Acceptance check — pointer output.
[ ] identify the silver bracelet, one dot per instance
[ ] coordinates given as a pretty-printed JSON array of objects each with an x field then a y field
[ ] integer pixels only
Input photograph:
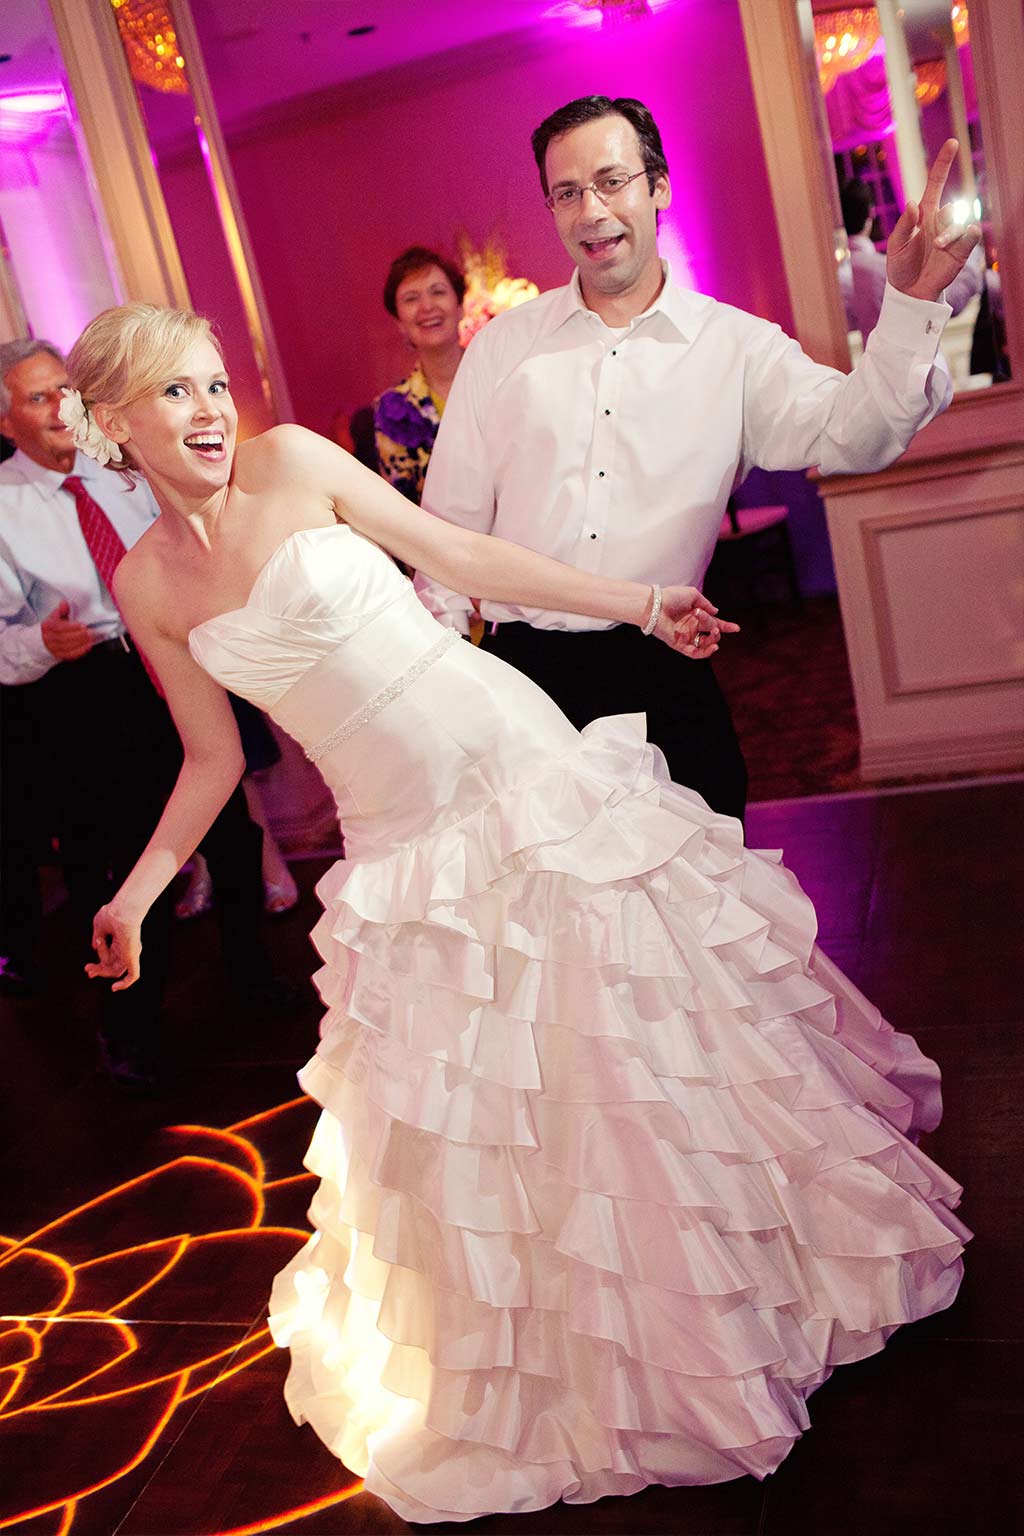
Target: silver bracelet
[{"x": 652, "y": 622}]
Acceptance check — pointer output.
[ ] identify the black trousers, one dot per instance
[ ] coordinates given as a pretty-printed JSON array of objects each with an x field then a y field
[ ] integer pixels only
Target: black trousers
[
  {"x": 26, "y": 828},
  {"x": 102, "y": 754},
  {"x": 620, "y": 671}
]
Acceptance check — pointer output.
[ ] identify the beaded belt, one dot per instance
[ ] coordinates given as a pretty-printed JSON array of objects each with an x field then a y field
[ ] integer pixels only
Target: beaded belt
[{"x": 380, "y": 700}]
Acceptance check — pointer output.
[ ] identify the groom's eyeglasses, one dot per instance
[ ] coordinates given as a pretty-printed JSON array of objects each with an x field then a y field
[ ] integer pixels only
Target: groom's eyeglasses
[{"x": 605, "y": 188}]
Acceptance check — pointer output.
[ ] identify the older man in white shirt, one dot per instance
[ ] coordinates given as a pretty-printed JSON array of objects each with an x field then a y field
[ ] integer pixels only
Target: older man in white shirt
[
  {"x": 607, "y": 422},
  {"x": 88, "y": 748}
]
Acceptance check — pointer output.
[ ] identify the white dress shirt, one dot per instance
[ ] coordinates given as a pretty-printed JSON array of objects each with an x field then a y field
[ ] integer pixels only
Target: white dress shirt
[
  {"x": 44, "y": 557},
  {"x": 617, "y": 453}
]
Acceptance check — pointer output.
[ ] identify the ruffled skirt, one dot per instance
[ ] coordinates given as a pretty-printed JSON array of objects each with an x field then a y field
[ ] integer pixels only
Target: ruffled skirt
[{"x": 615, "y": 1166}]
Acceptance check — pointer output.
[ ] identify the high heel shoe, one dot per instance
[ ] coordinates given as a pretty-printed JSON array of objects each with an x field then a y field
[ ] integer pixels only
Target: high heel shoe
[{"x": 198, "y": 895}]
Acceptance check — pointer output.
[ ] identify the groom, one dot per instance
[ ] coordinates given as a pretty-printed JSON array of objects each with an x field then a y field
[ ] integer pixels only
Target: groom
[{"x": 606, "y": 423}]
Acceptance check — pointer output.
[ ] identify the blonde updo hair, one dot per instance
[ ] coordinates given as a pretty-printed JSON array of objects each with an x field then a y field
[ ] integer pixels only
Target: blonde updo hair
[{"x": 129, "y": 351}]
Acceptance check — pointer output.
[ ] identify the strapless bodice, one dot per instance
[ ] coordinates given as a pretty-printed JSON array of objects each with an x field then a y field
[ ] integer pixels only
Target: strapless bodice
[
  {"x": 317, "y": 590},
  {"x": 409, "y": 724}
]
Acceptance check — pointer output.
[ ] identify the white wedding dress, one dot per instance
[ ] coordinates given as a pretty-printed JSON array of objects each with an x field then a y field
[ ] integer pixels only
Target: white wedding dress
[{"x": 615, "y": 1166}]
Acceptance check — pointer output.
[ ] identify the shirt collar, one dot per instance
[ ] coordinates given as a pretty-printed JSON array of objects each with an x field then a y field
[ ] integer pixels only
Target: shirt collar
[
  {"x": 52, "y": 479},
  {"x": 676, "y": 304}
]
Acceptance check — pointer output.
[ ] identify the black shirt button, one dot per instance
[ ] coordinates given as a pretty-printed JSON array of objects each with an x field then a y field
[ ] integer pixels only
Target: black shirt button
[
  {"x": 600, "y": 474},
  {"x": 593, "y": 535}
]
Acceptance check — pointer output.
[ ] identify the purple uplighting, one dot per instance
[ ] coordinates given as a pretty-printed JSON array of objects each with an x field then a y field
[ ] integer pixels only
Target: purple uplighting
[
  {"x": 602, "y": 13},
  {"x": 33, "y": 103}
]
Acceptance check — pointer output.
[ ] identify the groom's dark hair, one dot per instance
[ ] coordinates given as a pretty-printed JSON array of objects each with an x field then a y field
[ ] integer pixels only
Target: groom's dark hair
[{"x": 587, "y": 109}]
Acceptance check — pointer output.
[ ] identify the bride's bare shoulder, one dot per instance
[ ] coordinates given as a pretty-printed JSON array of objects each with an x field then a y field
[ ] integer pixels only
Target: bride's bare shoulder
[
  {"x": 287, "y": 448},
  {"x": 147, "y": 551},
  {"x": 142, "y": 572},
  {"x": 279, "y": 443}
]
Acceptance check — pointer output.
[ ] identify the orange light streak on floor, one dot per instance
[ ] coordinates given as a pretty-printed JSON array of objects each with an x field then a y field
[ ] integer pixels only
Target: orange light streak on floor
[
  {"x": 189, "y": 1160},
  {"x": 140, "y": 1456},
  {"x": 186, "y": 1382},
  {"x": 296, "y": 1514}
]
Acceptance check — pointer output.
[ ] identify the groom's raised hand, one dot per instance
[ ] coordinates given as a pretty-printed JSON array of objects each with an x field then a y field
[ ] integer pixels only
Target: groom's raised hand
[{"x": 928, "y": 247}]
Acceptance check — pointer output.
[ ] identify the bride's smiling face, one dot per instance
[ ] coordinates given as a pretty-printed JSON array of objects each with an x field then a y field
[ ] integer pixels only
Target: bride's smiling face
[{"x": 184, "y": 430}]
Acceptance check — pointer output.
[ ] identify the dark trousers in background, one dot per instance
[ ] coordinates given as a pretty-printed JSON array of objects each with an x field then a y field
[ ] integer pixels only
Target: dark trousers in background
[
  {"x": 621, "y": 671},
  {"x": 105, "y": 755},
  {"x": 26, "y": 829}
]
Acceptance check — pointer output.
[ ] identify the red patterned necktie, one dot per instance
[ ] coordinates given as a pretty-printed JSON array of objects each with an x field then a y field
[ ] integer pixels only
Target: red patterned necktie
[
  {"x": 102, "y": 539},
  {"x": 104, "y": 544}
]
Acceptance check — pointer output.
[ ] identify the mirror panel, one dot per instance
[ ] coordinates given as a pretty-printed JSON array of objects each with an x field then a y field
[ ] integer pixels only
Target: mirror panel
[{"x": 879, "y": 138}]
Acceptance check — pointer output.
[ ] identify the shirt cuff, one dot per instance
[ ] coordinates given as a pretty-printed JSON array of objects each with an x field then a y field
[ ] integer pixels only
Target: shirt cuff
[
  {"x": 913, "y": 325},
  {"x": 25, "y": 657},
  {"x": 36, "y": 649}
]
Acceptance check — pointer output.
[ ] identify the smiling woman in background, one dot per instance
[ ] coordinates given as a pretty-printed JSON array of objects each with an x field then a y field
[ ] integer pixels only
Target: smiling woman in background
[{"x": 424, "y": 292}]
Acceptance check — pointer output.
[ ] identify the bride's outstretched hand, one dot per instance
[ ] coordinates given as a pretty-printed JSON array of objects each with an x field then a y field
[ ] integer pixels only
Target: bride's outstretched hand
[
  {"x": 118, "y": 943},
  {"x": 690, "y": 624}
]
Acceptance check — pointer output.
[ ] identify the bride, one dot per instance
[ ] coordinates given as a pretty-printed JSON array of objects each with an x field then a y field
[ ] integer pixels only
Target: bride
[{"x": 615, "y": 1166}]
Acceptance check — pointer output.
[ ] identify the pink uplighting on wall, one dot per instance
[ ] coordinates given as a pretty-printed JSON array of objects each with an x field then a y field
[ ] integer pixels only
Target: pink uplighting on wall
[
  {"x": 27, "y": 118},
  {"x": 673, "y": 247},
  {"x": 32, "y": 103},
  {"x": 602, "y": 13},
  {"x": 50, "y": 225}
]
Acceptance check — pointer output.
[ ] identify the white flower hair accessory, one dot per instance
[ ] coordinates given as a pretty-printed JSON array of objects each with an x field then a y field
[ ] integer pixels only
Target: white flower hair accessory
[{"x": 86, "y": 435}]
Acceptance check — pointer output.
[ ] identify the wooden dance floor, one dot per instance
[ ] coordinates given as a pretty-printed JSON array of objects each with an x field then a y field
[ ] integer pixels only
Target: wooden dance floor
[{"x": 139, "y": 1391}]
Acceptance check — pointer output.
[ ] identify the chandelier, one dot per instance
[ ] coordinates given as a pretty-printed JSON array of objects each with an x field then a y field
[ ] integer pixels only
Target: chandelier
[
  {"x": 617, "y": 10},
  {"x": 843, "y": 40},
  {"x": 961, "y": 27},
  {"x": 151, "y": 45},
  {"x": 929, "y": 81},
  {"x": 601, "y": 12}
]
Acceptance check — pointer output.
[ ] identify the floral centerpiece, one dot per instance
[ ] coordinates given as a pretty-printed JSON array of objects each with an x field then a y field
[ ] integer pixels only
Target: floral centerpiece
[{"x": 489, "y": 289}]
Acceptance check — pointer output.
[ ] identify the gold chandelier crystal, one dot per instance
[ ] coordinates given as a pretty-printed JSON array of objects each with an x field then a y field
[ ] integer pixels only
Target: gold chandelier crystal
[
  {"x": 151, "y": 45},
  {"x": 929, "y": 81},
  {"x": 961, "y": 25},
  {"x": 616, "y": 10},
  {"x": 843, "y": 40}
]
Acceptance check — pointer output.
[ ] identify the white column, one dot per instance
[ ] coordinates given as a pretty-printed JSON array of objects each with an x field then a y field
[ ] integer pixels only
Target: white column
[
  {"x": 141, "y": 238},
  {"x": 958, "y": 114},
  {"x": 900, "y": 77}
]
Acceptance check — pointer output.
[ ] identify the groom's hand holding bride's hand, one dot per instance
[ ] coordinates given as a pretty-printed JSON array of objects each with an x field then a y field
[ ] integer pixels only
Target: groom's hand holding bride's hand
[
  {"x": 118, "y": 943},
  {"x": 690, "y": 624}
]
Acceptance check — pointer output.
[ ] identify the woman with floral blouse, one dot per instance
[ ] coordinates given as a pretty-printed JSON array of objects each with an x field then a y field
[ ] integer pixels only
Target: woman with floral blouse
[{"x": 424, "y": 292}]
